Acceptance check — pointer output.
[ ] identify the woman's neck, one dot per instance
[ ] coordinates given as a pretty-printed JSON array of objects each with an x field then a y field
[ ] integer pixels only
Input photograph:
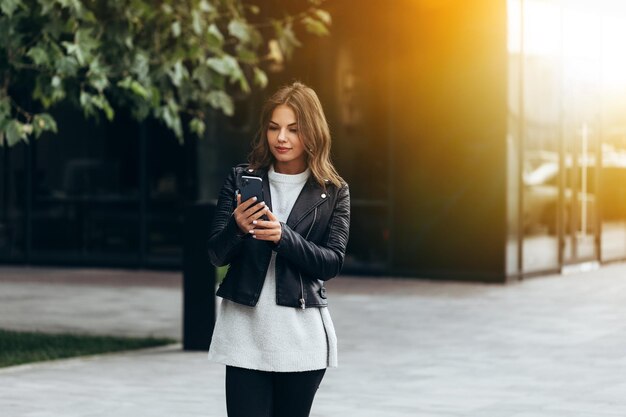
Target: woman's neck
[{"x": 290, "y": 169}]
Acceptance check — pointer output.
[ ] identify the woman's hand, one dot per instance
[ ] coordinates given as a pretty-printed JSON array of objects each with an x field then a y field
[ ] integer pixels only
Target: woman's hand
[
  {"x": 269, "y": 230},
  {"x": 247, "y": 213}
]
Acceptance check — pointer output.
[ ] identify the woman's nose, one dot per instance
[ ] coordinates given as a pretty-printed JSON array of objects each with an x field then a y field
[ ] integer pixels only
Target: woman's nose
[{"x": 281, "y": 135}]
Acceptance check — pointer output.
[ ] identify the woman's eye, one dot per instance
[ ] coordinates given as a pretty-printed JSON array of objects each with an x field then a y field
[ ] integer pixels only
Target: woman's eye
[
  {"x": 293, "y": 130},
  {"x": 273, "y": 128}
]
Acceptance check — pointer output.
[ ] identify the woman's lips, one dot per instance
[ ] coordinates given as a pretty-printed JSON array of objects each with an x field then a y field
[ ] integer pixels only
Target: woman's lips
[{"x": 282, "y": 150}]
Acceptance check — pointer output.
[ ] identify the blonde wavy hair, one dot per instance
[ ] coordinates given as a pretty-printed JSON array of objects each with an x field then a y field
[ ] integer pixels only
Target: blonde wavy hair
[{"x": 312, "y": 129}]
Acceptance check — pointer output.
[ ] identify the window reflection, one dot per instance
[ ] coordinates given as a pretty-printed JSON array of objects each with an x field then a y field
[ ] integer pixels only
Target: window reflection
[
  {"x": 85, "y": 202},
  {"x": 12, "y": 202},
  {"x": 613, "y": 195},
  {"x": 541, "y": 124},
  {"x": 168, "y": 164}
]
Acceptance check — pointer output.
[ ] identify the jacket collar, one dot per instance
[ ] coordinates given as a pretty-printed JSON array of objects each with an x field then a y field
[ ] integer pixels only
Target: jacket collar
[{"x": 311, "y": 196}]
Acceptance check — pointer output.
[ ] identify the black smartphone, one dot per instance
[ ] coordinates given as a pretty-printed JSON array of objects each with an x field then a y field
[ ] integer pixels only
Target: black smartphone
[{"x": 251, "y": 187}]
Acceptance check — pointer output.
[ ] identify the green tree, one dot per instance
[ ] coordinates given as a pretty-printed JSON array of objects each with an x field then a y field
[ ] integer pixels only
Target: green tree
[{"x": 171, "y": 60}]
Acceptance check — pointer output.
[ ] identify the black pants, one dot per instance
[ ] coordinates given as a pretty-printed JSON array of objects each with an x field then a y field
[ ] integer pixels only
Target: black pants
[{"x": 251, "y": 393}]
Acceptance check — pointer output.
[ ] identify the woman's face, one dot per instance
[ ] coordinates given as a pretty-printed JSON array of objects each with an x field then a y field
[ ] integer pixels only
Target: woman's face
[{"x": 284, "y": 141}]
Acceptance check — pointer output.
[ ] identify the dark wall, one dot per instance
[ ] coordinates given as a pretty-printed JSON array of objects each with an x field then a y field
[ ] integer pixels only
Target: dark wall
[
  {"x": 415, "y": 94},
  {"x": 448, "y": 136}
]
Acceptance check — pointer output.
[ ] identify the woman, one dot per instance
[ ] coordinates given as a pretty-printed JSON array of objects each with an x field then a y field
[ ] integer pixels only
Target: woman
[{"x": 274, "y": 332}]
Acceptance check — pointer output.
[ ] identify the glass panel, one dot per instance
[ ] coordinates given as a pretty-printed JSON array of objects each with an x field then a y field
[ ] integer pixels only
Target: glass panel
[
  {"x": 581, "y": 127},
  {"x": 612, "y": 193},
  {"x": 514, "y": 10},
  {"x": 12, "y": 202},
  {"x": 354, "y": 147},
  {"x": 541, "y": 130},
  {"x": 168, "y": 164},
  {"x": 612, "y": 184},
  {"x": 355, "y": 90},
  {"x": 85, "y": 204}
]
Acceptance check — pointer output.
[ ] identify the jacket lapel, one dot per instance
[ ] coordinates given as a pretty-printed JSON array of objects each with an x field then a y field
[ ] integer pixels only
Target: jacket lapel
[
  {"x": 266, "y": 190},
  {"x": 310, "y": 197}
]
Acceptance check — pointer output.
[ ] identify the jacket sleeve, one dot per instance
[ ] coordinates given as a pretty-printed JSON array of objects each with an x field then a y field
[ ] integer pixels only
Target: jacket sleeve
[
  {"x": 225, "y": 238},
  {"x": 320, "y": 261}
]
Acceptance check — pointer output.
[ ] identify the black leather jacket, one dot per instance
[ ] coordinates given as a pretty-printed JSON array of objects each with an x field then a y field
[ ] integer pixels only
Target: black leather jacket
[{"x": 311, "y": 249}]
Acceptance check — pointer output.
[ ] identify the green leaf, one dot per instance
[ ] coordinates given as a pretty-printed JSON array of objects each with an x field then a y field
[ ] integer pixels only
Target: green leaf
[
  {"x": 244, "y": 85},
  {"x": 196, "y": 22},
  {"x": 176, "y": 30},
  {"x": 172, "y": 120},
  {"x": 215, "y": 37},
  {"x": 14, "y": 132},
  {"x": 38, "y": 55},
  {"x": 97, "y": 76},
  {"x": 155, "y": 94},
  {"x": 239, "y": 30},
  {"x": 141, "y": 66},
  {"x": 44, "y": 122},
  {"x": 225, "y": 65},
  {"x": 88, "y": 16},
  {"x": 260, "y": 78},
  {"x": 178, "y": 73},
  {"x": 315, "y": 26},
  {"x": 286, "y": 38},
  {"x": 324, "y": 16},
  {"x": 9, "y": 7},
  {"x": 5, "y": 108},
  {"x": 206, "y": 7},
  {"x": 247, "y": 56},
  {"x": 90, "y": 102},
  {"x": 135, "y": 87},
  {"x": 197, "y": 126},
  {"x": 46, "y": 6},
  {"x": 202, "y": 74},
  {"x": 83, "y": 46},
  {"x": 85, "y": 101},
  {"x": 74, "y": 5},
  {"x": 221, "y": 100},
  {"x": 102, "y": 103},
  {"x": 67, "y": 66}
]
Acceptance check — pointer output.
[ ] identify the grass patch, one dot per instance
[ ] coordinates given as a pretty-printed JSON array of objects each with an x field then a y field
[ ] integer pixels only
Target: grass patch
[{"x": 24, "y": 347}]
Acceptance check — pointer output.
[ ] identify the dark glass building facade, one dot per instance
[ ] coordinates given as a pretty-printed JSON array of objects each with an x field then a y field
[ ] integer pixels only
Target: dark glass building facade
[{"x": 482, "y": 140}]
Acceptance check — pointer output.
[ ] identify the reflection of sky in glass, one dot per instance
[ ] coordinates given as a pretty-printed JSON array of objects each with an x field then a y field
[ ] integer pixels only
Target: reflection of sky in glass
[{"x": 575, "y": 31}]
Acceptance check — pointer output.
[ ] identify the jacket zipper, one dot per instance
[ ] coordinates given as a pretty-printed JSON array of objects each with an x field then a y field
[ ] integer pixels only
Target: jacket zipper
[{"x": 302, "y": 300}]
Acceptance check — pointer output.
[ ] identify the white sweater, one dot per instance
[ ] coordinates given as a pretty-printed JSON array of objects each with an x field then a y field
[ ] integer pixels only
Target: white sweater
[{"x": 270, "y": 337}]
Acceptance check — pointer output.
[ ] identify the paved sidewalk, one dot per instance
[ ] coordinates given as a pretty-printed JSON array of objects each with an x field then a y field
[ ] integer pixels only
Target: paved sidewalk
[{"x": 552, "y": 346}]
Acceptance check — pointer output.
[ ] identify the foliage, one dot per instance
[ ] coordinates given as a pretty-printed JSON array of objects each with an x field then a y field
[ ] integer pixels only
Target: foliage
[
  {"x": 167, "y": 59},
  {"x": 23, "y": 347}
]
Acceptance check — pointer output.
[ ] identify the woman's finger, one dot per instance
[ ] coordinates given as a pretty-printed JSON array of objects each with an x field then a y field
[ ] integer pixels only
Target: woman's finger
[
  {"x": 265, "y": 234},
  {"x": 250, "y": 211},
  {"x": 273, "y": 232},
  {"x": 271, "y": 216},
  {"x": 266, "y": 224},
  {"x": 246, "y": 204}
]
